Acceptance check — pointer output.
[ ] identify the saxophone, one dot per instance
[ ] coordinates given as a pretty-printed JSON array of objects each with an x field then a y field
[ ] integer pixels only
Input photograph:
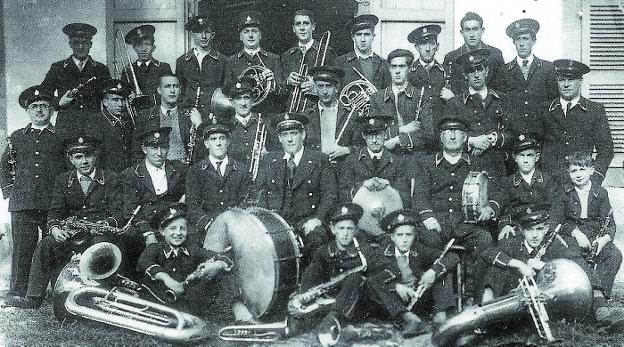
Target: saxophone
[
  {"x": 12, "y": 161},
  {"x": 79, "y": 229}
]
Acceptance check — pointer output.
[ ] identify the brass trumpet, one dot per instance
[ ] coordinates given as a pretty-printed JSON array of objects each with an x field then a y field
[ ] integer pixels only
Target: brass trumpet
[
  {"x": 297, "y": 93},
  {"x": 255, "y": 333},
  {"x": 259, "y": 143}
]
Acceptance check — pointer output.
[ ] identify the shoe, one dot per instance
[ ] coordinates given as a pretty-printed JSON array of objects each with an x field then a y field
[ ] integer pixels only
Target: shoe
[
  {"x": 29, "y": 302},
  {"x": 12, "y": 300},
  {"x": 329, "y": 330},
  {"x": 413, "y": 326}
]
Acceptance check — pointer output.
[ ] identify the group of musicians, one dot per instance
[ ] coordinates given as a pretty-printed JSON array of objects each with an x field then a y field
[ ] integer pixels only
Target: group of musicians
[{"x": 413, "y": 124}]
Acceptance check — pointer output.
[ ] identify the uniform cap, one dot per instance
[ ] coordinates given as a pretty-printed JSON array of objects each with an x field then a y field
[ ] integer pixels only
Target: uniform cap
[
  {"x": 453, "y": 122},
  {"x": 213, "y": 125},
  {"x": 168, "y": 214},
  {"x": 525, "y": 141},
  {"x": 79, "y": 30},
  {"x": 346, "y": 211},
  {"x": 424, "y": 33},
  {"x": 474, "y": 60},
  {"x": 249, "y": 19},
  {"x": 139, "y": 34},
  {"x": 327, "y": 74},
  {"x": 570, "y": 68},
  {"x": 365, "y": 21},
  {"x": 81, "y": 144},
  {"x": 198, "y": 23},
  {"x": 289, "y": 121},
  {"x": 115, "y": 86},
  {"x": 397, "y": 218},
  {"x": 522, "y": 26},
  {"x": 35, "y": 93},
  {"x": 155, "y": 136},
  {"x": 374, "y": 123},
  {"x": 534, "y": 215},
  {"x": 239, "y": 86}
]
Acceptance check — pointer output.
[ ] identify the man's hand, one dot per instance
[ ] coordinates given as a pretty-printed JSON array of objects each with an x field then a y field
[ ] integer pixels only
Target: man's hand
[
  {"x": 211, "y": 268},
  {"x": 149, "y": 239},
  {"x": 581, "y": 238},
  {"x": 311, "y": 225},
  {"x": 174, "y": 285},
  {"x": 601, "y": 242},
  {"x": 492, "y": 137},
  {"x": 307, "y": 86},
  {"x": 427, "y": 279},
  {"x": 338, "y": 152},
  {"x": 479, "y": 142},
  {"x": 66, "y": 99},
  {"x": 410, "y": 127},
  {"x": 390, "y": 144},
  {"x": 486, "y": 213},
  {"x": 375, "y": 184},
  {"x": 536, "y": 264},
  {"x": 432, "y": 224},
  {"x": 406, "y": 293},
  {"x": 196, "y": 117},
  {"x": 294, "y": 78},
  {"x": 59, "y": 234},
  {"x": 476, "y": 152},
  {"x": 446, "y": 93},
  {"x": 524, "y": 269},
  {"x": 267, "y": 74},
  {"x": 507, "y": 231}
]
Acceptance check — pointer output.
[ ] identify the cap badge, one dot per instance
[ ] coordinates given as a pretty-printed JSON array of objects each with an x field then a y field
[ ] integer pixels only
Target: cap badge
[
  {"x": 371, "y": 121},
  {"x": 286, "y": 117},
  {"x": 80, "y": 140},
  {"x": 200, "y": 21},
  {"x": 214, "y": 120},
  {"x": 36, "y": 92},
  {"x": 344, "y": 210},
  {"x": 400, "y": 217},
  {"x": 517, "y": 25},
  {"x": 528, "y": 210},
  {"x": 238, "y": 85},
  {"x": 521, "y": 137},
  {"x": 172, "y": 212},
  {"x": 424, "y": 30},
  {"x": 471, "y": 58},
  {"x": 157, "y": 135},
  {"x": 139, "y": 32},
  {"x": 248, "y": 19},
  {"x": 119, "y": 86}
]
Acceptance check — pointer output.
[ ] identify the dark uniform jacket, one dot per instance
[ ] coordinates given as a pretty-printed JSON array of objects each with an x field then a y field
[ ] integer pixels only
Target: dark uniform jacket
[
  {"x": 496, "y": 116},
  {"x": 586, "y": 127},
  {"x": 351, "y": 137},
  {"x": 208, "y": 77},
  {"x": 209, "y": 194},
  {"x": 494, "y": 78},
  {"x": 137, "y": 189},
  {"x": 359, "y": 167},
  {"x": 381, "y": 70},
  {"x": 384, "y": 103},
  {"x": 242, "y": 138},
  {"x": 313, "y": 193},
  {"x": 598, "y": 210},
  {"x": 528, "y": 95},
  {"x": 39, "y": 158},
  {"x": 101, "y": 203},
  {"x": 116, "y": 137},
  {"x": 161, "y": 257},
  {"x": 148, "y": 77},
  {"x": 517, "y": 195},
  {"x": 433, "y": 81}
]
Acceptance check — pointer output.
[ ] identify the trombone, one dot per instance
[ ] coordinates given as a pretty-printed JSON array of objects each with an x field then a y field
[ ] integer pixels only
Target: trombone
[
  {"x": 319, "y": 60},
  {"x": 140, "y": 99}
]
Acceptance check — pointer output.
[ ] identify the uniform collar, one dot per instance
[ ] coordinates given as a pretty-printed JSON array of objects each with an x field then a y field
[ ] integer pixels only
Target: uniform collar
[
  {"x": 440, "y": 157},
  {"x": 48, "y": 127},
  {"x": 582, "y": 103},
  {"x": 593, "y": 190},
  {"x": 175, "y": 252},
  {"x": 70, "y": 60},
  {"x": 530, "y": 59},
  {"x": 191, "y": 53},
  {"x": 260, "y": 51},
  {"x": 490, "y": 91},
  {"x": 296, "y": 157},
  {"x": 96, "y": 176},
  {"x": 408, "y": 91},
  {"x": 537, "y": 177},
  {"x": 206, "y": 163}
]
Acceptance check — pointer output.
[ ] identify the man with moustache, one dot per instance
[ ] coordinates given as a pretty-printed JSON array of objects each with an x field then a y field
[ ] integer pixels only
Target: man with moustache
[
  {"x": 31, "y": 161},
  {"x": 362, "y": 58},
  {"x": 147, "y": 69},
  {"x": 75, "y": 106},
  {"x": 202, "y": 69},
  {"x": 170, "y": 113}
]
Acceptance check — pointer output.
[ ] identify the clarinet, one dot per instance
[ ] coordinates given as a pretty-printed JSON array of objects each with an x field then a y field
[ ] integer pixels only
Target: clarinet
[
  {"x": 12, "y": 161},
  {"x": 591, "y": 259},
  {"x": 421, "y": 288},
  {"x": 540, "y": 253},
  {"x": 193, "y": 132}
]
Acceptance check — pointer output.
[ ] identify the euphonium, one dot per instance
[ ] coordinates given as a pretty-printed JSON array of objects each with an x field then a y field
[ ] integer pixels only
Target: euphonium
[
  {"x": 78, "y": 292},
  {"x": 563, "y": 289},
  {"x": 263, "y": 86}
]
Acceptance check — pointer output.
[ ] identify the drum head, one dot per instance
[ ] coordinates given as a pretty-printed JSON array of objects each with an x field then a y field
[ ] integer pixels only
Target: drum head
[{"x": 376, "y": 205}]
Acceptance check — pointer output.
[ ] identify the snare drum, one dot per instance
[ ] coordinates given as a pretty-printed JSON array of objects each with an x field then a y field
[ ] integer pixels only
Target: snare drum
[
  {"x": 474, "y": 195},
  {"x": 266, "y": 257}
]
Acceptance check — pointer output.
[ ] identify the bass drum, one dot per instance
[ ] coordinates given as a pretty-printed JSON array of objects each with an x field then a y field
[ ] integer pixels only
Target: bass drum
[
  {"x": 376, "y": 205},
  {"x": 266, "y": 257}
]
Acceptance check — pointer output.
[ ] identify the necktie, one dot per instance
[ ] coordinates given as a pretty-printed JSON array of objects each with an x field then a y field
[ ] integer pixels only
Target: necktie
[
  {"x": 525, "y": 68},
  {"x": 290, "y": 167},
  {"x": 303, "y": 49},
  {"x": 407, "y": 275},
  {"x": 218, "y": 167},
  {"x": 144, "y": 68},
  {"x": 376, "y": 161},
  {"x": 478, "y": 100},
  {"x": 85, "y": 182},
  {"x": 568, "y": 107},
  {"x": 80, "y": 65},
  {"x": 525, "y": 62},
  {"x": 168, "y": 113}
]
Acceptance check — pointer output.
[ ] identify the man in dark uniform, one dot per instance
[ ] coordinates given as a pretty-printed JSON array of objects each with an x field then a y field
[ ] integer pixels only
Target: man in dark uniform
[
  {"x": 307, "y": 52},
  {"x": 488, "y": 111},
  {"x": 250, "y": 24},
  {"x": 86, "y": 193},
  {"x": 216, "y": 183},
  {"x": 33, "y": 158},
  {"x": 151, "y": 184},
  {"x": 147, "y": 69},
  {"x": 411, "y": 269},
  {"x": 328, "y": 117},
  {"x": 202, "y": 69},
  {"x": 427, "y": 72},
  {"x": 573, "y": 123},
  {"x": 367, "y": 62},
  {"x": 170, "y": 113},
  {"x": 529, "y": 80},
  {"x": 411, "y": 131},
  {"x": 66, "y": 75},
  {"x": 298, "y": 183},
  {"x": 472, "y": 29},
  {"x": 374, "y": 167},
  {"x": 113, "y": 126}
]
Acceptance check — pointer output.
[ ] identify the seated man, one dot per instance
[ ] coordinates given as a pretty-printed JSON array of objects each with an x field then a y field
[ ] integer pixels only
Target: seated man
[
  {"x": 87, "y": 193},
  {"x": 589, "y": 219},
  {"x": 177, "y": 272},
  {"x": 413, "y": 273}
]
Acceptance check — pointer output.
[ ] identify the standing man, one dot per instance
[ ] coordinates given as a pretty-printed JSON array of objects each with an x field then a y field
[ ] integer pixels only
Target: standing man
[
  {"x": 33, "y": 158},
  {"x": 250, "y": 26},
  {"x": 298, "y": 183},
  {"x": 171, "y": 114},
  {"x": 66, "y": 76},
  {"x": 216, "y": 183},
  {"x": 472, "y": 29},
  {"x": 306, "y": 51},
  {"x": 113, "y": 126},
  {"x": 529, "y": 80},
  {"x": 573, "y": 123},
  {"x": 427, "y": 72},
  {"x": 411, "y": 130},
  {"x": 489, "y": 113},
  {"x": 202, "y": 69},
  {"x": 367, "y": 62},
  {"x": 146, "y": 68}
]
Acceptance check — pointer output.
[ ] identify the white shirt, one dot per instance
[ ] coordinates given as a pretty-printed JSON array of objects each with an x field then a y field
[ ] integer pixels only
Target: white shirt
[
  {"x": 252, "y": 52},
  {"x": 426, "y": 65},
  {"x": 244, "y": 120},
  {"x": 583, "y": 195},
  {"x": 451, "y": 159},
  {"x": 329, "y": 118},
  {"x": 529, "y": 59},
  {"x": 199, "y": 54},
  {"x": 573, "y": 102},
  {"x": 374, "y": 155},
  {"x": 359, "y": 55},
  {"x": 38, "y": 127},
  {"x": 483, "y": 92},
  {"x": 221, "y": 168},
  {"x": 398, "y": 253},
  {"x": 158, "y": 176},
  {"x": 80, "y": 64},
  {"x": 307, "y": 46},
  {"x": 528, "y": 248},
  {"x": 147, "y": 63},
  {"x": 296, "y": 158},
  {"x": 164, "y": 110},
  {"x": 528, "y": 177}
]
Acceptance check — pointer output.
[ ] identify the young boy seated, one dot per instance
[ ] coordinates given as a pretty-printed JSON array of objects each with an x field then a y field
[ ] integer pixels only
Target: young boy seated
[
  {"x": 168, "y": 264},
  {"x": 528, "y": 186},
  {"x": 589, "y": 219},
  {"x": 411, "y": 267}
]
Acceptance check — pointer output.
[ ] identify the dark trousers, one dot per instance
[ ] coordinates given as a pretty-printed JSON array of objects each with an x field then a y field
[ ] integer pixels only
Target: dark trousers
[
  {"x": 48, "y": 260},
  {"x": 313, "y": 240},
  {"x": 607, "y": 265},
  {"x": 25, "y": 227}
]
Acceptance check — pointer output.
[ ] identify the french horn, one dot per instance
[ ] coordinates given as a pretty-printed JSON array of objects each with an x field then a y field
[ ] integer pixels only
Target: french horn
[{"x": 263, "y": 86}]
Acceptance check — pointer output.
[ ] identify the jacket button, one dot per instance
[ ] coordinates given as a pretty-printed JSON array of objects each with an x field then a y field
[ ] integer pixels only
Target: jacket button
[
  {"x": 313, "y": 206},
  {"x": 450, "y": 199},
  {"x": 36, "y": 176},
  {"x": 526, "y": 102},
  {"x": 452, "y": 174},
  {"x": 450, "y": 210},
  {"x": 221, "y": 191},
  {"x": 451, "y": 187},
  {"x": 221, "y": 203},
  {"x": 309, "y": 194}
]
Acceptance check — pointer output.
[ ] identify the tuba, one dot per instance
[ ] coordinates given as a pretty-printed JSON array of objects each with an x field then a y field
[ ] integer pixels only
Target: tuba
[
  {"x": 263, "y": 86},
  {"x": 78, "y": 292},
  {"x": 220, "y": 105},
  {"x": 562, "y": 288}
]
